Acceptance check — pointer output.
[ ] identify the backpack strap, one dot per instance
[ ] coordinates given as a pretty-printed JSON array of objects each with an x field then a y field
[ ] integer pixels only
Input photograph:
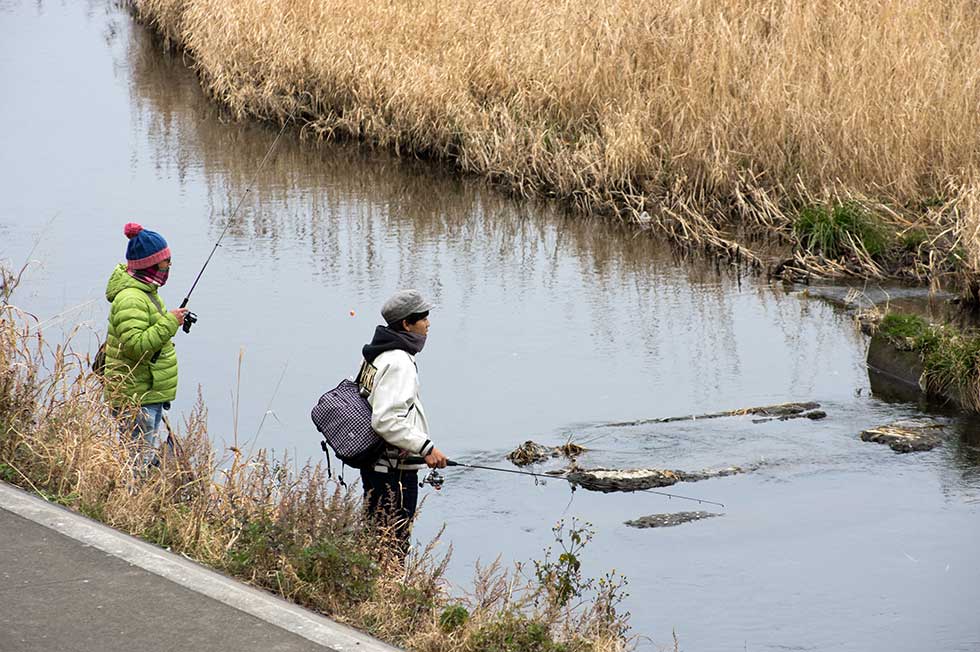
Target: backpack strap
[
  {"x": 365, "y": 378},
  {"x": 156, "y": 302}
]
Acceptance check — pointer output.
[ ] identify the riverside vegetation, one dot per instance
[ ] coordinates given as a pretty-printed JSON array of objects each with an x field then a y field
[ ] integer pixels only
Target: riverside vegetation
[
  {"x": 288, "y": 529},
  {"x": 950, "y": 356},
  {"x": 846, "y": 134}
]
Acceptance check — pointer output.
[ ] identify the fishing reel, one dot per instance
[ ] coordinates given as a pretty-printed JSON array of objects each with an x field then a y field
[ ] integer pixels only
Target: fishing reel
[
  {"x": 189, "y": 320},
  {"x": 434, "y": 478}
]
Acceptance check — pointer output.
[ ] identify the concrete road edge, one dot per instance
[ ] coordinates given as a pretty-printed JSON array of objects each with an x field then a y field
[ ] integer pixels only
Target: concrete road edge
[{"x": 182, "y": 571}]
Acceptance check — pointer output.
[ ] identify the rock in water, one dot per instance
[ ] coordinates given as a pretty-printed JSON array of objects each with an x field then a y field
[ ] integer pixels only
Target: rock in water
[
  {"x": 609, "y": 480},
  {"x": 531, "y": 453},
  {"x": 570, "y": 450},
  {"x": 812, "y": 415},
  {"x": 906, "y": 436},
  {"x": 668, "y": 520}
]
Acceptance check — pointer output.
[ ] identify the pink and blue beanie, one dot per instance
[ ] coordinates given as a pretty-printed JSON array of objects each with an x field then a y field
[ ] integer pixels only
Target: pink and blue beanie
[{"x": 146, "y": 248}]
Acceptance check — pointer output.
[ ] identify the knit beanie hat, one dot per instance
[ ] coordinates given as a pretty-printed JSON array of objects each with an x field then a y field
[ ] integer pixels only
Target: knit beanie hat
[{"x": 146, "y": 248}]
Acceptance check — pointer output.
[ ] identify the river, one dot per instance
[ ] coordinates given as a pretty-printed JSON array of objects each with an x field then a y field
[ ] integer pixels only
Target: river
[{"x": 548, "y": 326}]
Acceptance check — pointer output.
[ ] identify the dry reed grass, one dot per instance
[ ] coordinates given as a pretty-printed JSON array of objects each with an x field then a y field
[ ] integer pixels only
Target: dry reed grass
[
  {"x": 288, "y": 529},
  {"x": 705, "y": 118}
]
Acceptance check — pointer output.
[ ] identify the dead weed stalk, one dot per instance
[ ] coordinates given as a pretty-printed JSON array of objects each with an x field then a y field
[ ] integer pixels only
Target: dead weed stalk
[{"x": 290, "y": 530}]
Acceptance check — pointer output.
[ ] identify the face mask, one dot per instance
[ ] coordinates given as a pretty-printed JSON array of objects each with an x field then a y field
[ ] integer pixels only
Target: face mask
[
  {"x": 161, "y": 277},
  {"x": 153, "y": 275},
  {"x": 417, "y": 341}
]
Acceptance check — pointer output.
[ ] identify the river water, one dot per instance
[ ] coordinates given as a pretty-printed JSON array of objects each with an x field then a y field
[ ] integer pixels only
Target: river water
[{"x": 548, "y": 326}]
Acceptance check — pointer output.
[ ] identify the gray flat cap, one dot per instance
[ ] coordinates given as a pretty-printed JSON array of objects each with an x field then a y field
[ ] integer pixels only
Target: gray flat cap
[{"x": 404, "y": 303}]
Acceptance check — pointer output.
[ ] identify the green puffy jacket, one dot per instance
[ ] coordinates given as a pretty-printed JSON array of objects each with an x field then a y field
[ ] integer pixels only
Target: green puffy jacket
[{"x": 138, "y": 332}]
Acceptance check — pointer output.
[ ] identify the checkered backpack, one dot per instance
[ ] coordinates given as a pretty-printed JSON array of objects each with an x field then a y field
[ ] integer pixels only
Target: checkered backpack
[{"x": 343, "y": 417}]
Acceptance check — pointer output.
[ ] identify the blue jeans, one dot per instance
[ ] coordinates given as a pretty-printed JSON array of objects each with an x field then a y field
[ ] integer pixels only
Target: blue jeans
[{"x": 144, "y": 431}]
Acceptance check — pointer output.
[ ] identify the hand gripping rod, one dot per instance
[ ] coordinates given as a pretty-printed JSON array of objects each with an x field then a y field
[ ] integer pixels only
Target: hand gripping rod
[{"x": 558, "y": 477}]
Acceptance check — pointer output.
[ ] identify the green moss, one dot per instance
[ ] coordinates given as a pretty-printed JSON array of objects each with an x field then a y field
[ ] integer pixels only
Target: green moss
[
  {"x": 833, "y": 231},
  {"x": 900, "y": 326}
]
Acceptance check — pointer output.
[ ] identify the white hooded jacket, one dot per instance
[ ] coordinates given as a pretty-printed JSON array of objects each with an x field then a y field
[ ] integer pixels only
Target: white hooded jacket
[{"x": 397, "y": 414}]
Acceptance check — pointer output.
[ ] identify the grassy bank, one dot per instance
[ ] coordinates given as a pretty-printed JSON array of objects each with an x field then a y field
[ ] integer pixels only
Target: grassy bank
[
  {"x": 950, "y": 357},
  {"x": 712, "y": 121},
  {"x": 279, "y": 526}
]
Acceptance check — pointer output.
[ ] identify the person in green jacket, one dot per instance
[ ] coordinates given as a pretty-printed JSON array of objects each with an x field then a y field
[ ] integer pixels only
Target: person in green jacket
[{"x": 140, "y": 360}]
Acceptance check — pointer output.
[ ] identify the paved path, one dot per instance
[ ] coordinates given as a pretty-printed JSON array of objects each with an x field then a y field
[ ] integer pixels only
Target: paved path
[{"x": 70, "y": 584}]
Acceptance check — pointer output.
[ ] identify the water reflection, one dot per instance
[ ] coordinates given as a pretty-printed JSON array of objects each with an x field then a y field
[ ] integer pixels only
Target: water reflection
[
  {"x": 549, "y": 324},
  {"x": 362, "y": 217},
  {"x": 966, "y": 449}
]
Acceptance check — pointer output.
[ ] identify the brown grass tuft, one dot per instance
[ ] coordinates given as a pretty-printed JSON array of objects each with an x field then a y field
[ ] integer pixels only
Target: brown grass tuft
[{"x": 288, "y": 529}]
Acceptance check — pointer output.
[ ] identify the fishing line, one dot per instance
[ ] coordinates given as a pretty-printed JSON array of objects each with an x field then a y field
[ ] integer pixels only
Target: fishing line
[
  {"x": 191, "y": 318},
  {"x": 575, "y": 484},
  {"x": 268, "y": 409},
  {"x": 9, "y": 285},
  {"x": 571, "y": 499}
]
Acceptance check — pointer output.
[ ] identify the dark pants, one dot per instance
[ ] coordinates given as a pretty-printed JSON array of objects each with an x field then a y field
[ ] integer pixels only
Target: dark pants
[{"x": 391, "y": 499}]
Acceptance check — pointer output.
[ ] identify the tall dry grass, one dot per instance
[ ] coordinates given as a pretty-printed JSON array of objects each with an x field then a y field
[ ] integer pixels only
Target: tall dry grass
[
  {"x": 708, "y": 116},
  {"x": 283, "y": 527}
]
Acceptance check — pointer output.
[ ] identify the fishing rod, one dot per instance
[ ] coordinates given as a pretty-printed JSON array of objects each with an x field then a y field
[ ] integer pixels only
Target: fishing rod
[
  {"x": 190, "y": 318},
  {"x": 436, "y": 481}
]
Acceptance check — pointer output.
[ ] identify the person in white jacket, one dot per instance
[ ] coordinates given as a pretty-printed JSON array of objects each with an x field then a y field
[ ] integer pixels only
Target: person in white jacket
[{"x": 390, "y": 381}]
